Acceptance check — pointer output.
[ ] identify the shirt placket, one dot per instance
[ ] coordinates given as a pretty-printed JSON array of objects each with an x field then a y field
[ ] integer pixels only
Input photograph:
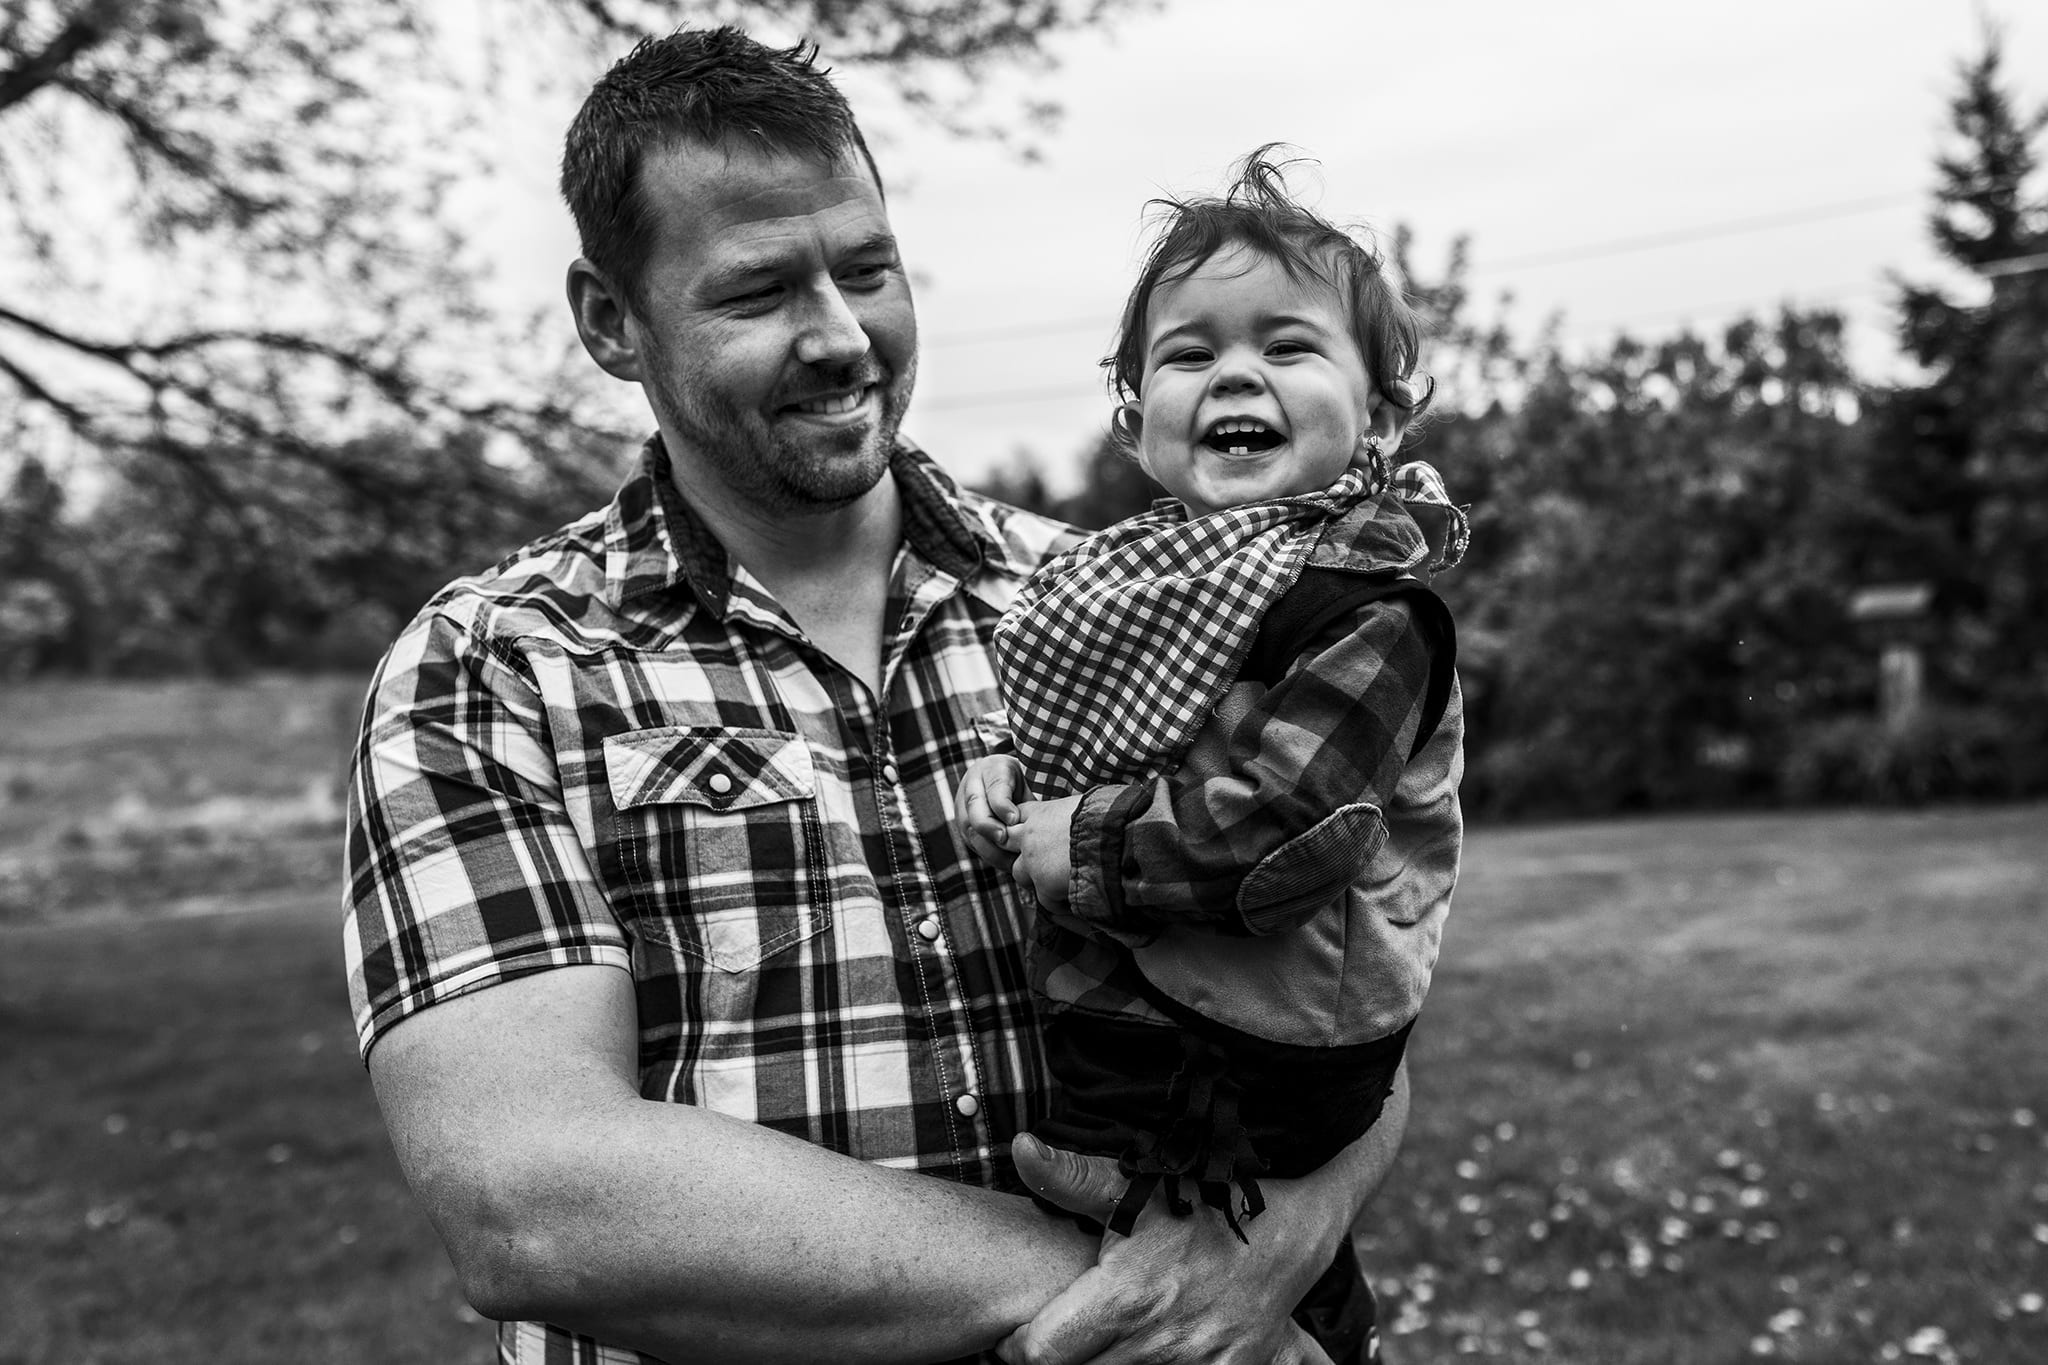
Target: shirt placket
[
  {"x": 931, "y": 949},
  {"x": 934, "y": 1004}
]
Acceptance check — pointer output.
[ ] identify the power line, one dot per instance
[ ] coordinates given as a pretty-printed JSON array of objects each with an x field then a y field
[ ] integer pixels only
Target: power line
[
  {"x": 1011, "y": 397},
  {"x": 1811, "y": 298},
  {"x": 1734, "y": 227},
  {"x": 1021, "y": 331},
  {"x": 1806, "y": 298}
]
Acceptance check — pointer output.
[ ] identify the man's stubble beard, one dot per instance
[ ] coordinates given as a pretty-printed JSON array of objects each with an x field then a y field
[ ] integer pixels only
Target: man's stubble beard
[{"x": 772, "y": 473}]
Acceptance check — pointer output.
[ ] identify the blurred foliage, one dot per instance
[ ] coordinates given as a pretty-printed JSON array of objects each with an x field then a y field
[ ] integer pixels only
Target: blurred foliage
[
  {"x": 1654, "y": 611},
  {"x": 1666, "y": 535},
  {"x": 230, "y": 270}
]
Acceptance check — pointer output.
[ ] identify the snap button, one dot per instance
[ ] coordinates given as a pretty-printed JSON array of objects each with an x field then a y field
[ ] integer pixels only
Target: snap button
[
  {"x": 888, "y": 772},
  {"x": 968, "y": 1106},
  {"x": 719, "y": 783},
  {"x": 927, "y": 929}
]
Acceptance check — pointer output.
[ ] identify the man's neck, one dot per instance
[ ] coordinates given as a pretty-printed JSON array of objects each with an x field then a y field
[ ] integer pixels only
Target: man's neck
[{"x": 829, "y": 570}]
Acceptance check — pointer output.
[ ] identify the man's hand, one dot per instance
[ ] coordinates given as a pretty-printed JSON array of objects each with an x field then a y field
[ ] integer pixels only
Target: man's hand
[
  {"x": 1029, "y": 840},
  {"x": 987, "y": 803},
  {"x": 1179, "y": 1289},
  {"x": 1043, "y": 842}
]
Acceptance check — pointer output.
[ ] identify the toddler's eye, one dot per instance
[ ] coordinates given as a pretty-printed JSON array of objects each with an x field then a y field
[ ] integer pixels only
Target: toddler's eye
[
  {"x": 1193, "y": 355},
  {"x": 1286, "y": 348}
]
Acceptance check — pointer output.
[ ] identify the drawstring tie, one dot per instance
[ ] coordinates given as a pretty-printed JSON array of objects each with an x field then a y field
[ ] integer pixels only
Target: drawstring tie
[{"x": 1204, "y": 1139}]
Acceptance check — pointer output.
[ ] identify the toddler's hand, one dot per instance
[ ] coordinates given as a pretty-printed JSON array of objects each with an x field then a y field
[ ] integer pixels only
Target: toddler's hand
[
  {"x": 987, "y": 804},
  {"x": 1043, "y": 841}
]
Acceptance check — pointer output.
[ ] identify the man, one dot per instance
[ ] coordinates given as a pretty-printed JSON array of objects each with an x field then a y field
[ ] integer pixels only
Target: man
[{"x": 657, "y": 912}]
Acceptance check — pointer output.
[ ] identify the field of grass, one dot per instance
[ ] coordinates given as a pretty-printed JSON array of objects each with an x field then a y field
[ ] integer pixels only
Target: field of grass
[{"x": 1700, "y": 1090}]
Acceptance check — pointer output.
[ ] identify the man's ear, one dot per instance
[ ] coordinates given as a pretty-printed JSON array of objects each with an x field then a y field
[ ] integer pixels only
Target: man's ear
[{"x": 604, "y": 322}]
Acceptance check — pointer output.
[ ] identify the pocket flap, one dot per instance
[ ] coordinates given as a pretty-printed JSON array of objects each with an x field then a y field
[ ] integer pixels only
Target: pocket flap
[{"x": 706, "y": 766}]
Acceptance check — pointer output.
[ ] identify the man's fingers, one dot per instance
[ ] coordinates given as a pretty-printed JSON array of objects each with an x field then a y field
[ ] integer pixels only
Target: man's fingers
[
  {"x": 1077, "y": 1326},
  {"x": 1087, "y": 1185},
  {"x": 1001, "y": 859}
]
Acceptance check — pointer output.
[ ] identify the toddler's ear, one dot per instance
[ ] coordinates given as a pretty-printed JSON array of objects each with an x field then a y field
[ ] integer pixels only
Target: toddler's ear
[
  {"x": 1128, "y": 422},
  {"x": 1393, "y": 408}
]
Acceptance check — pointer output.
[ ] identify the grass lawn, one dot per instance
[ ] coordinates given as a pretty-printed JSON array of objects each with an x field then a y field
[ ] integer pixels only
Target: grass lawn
[
  {"x": 194, "y": 1169},
  {"x": 1688, "y": 1090},
  {"x": 1707, "y": 1090}
]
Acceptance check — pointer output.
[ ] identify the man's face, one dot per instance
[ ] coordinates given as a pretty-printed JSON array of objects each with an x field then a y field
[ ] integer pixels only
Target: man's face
[{"x": 776, "y": 324}]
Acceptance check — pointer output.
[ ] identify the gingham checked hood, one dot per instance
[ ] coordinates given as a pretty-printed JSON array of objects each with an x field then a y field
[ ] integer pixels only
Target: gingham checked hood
[{"x": 1116, "y": 651}]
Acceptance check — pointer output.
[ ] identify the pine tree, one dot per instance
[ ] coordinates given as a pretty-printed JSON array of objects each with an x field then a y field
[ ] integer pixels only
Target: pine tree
[{"x": 1964, "y": 462}]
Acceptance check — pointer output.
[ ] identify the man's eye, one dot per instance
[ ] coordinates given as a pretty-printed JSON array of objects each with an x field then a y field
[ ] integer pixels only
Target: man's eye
[
  {"x": 871, "y": 276},
  {"x": 763, "y": 297}
]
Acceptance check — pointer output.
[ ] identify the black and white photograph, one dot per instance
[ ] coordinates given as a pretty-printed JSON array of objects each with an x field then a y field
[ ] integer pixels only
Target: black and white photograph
[{"x": 1023, "y": 682}]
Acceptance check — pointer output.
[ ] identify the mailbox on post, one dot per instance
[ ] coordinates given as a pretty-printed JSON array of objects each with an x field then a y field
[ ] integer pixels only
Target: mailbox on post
[{"x": 1894, "y": 616}]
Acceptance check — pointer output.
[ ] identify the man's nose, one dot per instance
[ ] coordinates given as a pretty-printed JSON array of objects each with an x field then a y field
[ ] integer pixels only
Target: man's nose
[{"x": 832, "y": 333}]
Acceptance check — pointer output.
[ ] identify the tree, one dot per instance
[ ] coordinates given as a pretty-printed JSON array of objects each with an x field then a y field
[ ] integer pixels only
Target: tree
[
  {"x": 1653, "y": 598},
  {"x": 1963, "y": 464},
  {"x": 227, "y": 235},
  {"x": 39, "y": 594}
]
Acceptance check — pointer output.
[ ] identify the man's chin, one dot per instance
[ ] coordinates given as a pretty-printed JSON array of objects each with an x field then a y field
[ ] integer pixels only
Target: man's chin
[{"x": 825, "y": 476}]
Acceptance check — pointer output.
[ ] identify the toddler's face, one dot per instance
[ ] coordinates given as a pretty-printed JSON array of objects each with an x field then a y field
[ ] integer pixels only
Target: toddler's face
[{"x": 1253, "y": 386}]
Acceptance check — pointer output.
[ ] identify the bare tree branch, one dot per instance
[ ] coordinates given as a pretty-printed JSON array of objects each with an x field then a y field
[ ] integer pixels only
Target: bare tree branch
[{"x": 87, "y": 29}]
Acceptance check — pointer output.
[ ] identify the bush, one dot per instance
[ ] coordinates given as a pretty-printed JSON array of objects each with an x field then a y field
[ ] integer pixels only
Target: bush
[{"x": 1947, "y": 753}]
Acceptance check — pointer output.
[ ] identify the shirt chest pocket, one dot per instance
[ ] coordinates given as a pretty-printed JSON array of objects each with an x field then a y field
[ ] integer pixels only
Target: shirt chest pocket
[{"x": 718, "y": 841}]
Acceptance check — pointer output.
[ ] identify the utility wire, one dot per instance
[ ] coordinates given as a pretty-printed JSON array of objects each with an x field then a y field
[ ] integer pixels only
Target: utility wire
[
  {"x": 1735, "y": 227},
  {"x": 1014, "y": 397},
  {"x": 2011, "y": 265}
]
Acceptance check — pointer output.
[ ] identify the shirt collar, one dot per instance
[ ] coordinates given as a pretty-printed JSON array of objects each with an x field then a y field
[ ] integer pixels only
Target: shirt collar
[{"x": 654, "y": 539}]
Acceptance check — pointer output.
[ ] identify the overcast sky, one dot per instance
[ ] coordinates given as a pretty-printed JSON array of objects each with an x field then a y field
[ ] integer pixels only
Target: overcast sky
[{"x": 1792, "y": 140}]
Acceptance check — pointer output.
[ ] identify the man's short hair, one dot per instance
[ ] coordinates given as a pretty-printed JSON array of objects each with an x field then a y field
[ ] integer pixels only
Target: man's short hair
[
  {"x": 711, "y": 87},
  {"x": 1258, "y": 213}
]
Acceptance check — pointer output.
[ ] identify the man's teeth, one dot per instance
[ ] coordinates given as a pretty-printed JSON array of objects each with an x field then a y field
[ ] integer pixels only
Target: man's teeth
[{"x": 831, "y": 407}]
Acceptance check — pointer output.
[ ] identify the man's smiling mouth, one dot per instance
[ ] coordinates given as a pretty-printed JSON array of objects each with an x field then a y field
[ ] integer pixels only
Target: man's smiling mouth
[
  {"x": 831, "y": 404},
  {"x": 1241, "y": 436}
]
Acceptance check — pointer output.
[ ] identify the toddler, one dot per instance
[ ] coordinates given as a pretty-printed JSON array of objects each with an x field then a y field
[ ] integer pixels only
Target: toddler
[{"x": 1238, "y": 720}]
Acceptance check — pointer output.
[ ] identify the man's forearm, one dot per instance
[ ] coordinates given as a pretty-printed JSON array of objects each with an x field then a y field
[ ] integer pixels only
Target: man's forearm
[
  {"x": 564, "y": 1197},
  {"x": 1366, "y": 1163},
  {"x": 740, "y": 1244}
]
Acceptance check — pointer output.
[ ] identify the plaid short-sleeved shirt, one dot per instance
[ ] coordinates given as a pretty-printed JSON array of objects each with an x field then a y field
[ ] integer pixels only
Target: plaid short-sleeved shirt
[{"x": 615, "y": 747}]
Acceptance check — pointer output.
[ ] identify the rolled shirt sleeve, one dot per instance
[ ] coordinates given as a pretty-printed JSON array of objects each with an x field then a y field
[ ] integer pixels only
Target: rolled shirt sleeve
[{"x": 464, "y": 866}]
